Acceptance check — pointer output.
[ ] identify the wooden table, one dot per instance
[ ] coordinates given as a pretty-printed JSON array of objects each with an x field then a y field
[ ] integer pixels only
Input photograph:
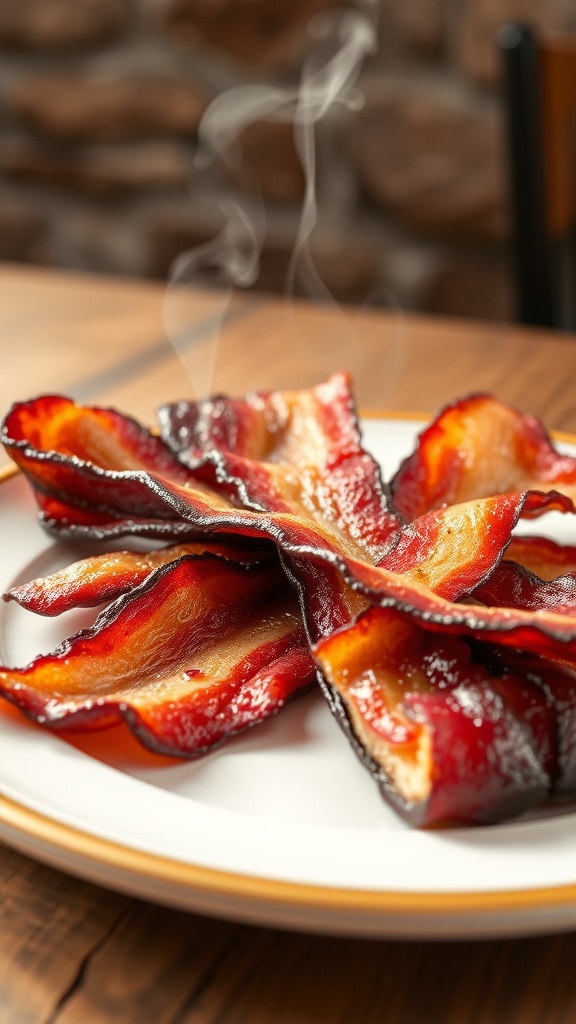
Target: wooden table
[{"x": 71, "y": 952}]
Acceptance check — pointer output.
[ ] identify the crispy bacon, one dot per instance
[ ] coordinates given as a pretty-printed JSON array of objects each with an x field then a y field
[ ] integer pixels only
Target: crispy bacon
[
  {"x": 52, "y": 423},
  {"x": 297, "y": 454},
  {"x": 513, "y": 586},
  {"x": 450, "y": 551},
  {"x": 542, "y": 556},
  {"x": 289, "y": 469},
  {"x": 293, "y": 451},
  {"x": 476, "y": 447},
  {"x": 439, "y": 738},
  {"x": 451, "y": 733},
  {"x": 102, "y": 578},
  {"x": 200, "y": 650}
]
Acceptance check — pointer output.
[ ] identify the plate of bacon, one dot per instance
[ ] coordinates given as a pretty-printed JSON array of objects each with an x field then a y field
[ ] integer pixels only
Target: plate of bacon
[{"x": 266, "y": 663}]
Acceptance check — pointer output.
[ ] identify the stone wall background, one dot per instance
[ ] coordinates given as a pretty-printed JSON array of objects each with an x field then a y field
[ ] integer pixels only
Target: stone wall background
[{"x": 100, "y": 102}]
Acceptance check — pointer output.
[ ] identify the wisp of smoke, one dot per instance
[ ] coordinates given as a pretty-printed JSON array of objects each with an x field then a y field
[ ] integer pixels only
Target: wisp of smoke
[{"x": 343, "y": 37}]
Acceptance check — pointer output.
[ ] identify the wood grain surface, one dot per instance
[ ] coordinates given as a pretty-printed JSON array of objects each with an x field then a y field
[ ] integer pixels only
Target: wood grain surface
[{"x": 73, "y": 953}]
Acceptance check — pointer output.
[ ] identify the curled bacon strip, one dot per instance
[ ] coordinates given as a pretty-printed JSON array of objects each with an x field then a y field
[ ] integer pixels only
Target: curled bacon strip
[
  {"x": 102, "y": 578},
  {"x": 309, "y": 465},
  {"x": 200, "y": 650},
  {"x": 446, "y": 739},
  {"x": 513, "y": 586},
  {"x": 476, "y": 447},
  {"x": 452, "y": 732},
  {"x": 546, "y": 558},
  {"x": 105, "y": 437}
]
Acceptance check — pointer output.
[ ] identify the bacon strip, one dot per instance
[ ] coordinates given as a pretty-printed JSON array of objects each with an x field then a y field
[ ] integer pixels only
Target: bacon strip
[
  {"x": 476, "y": 447},
  {"x": 452, "y": 733},
  {"x": 314, "y": 468},
  {"x": 202, "y": 649},
  {"x": 448, "y": 550},
  {"x": 546, "y": 558},
  {"x": 103, "y": 578},
  {"x": 109, "y": 439},
  {"x": 513, "y": 586}
]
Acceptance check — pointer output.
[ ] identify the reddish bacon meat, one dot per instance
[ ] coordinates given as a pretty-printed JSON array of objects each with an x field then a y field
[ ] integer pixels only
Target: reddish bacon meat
[
  {"x": 427, "y": 683},
  {"x": 476, "y": 447},
  {"x": 100, "y": 578},
  {"x": 446, "y": 741},
  {"x": 198, "y": 651}
]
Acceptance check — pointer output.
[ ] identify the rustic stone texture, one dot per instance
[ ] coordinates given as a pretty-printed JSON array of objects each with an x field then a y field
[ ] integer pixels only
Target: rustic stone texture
[
  {"x": 99, "y": 239},
  {"x": 436, "y": 167},
  {"x": 420, "y": 23},
  {"x": 104, "y": 148},
  {"x": 98, "y": 170},
  {"x": 75, "y": 107},
  {"x": 169, "y": 235},
  {"x": 270, "y": 152},
  {"x": 478, "y": 22},
  {"x": 22, "y": 232},
  {"x": 470, "y": 287},
  {"x": 55, "y": 24},
  {"x": 263, "y": 33},
  {"x": 349, "y": 269}
]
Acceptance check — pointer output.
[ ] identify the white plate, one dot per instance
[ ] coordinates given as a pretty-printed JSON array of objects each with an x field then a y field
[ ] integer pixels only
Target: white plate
[{"x": 282, "y": 825}]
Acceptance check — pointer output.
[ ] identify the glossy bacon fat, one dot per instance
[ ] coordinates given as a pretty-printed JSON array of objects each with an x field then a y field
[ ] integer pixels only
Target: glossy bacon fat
[
  {"x": 415, "y": 628},
  {"x": 476, "y": 447}
]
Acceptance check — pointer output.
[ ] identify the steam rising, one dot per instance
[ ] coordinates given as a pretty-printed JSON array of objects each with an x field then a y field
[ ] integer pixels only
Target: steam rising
[{"x": 342, "y": 39}]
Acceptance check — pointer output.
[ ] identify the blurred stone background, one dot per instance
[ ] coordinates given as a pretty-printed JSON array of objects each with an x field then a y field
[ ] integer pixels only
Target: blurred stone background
[{"x": 100, "y": 102}]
